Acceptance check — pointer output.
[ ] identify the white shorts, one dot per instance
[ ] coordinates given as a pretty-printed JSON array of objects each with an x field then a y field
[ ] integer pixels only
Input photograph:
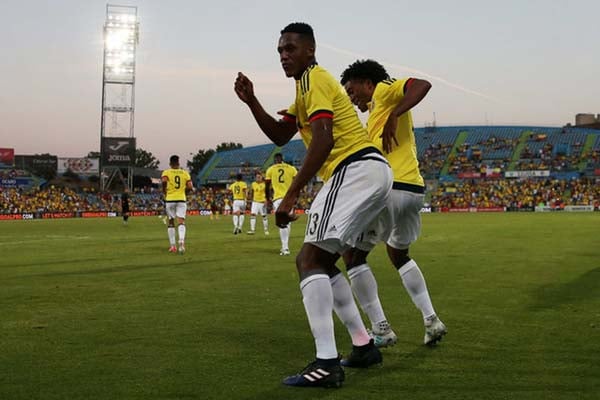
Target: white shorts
[
  {"x": 276, "y": 204},
  {"x": 258, "y": 208},
  {"x": 176, "y": 209},
  {"x": 405, "y": 210},
  {"x": 399, "y": 224},
  {"x": 239, "y": 206},
  {"x": 349, "y": 204}
]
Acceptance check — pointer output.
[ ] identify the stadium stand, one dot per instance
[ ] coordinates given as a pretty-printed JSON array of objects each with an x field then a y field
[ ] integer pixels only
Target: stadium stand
[{"x": 483, "y": 167}]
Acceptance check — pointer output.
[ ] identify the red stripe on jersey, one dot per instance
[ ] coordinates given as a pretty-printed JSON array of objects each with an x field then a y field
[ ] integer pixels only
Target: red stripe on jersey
[
  {"x": 320, "y": 114},
  {"x": 289, "y": 118},
  {"x": 408, "y": 84}
]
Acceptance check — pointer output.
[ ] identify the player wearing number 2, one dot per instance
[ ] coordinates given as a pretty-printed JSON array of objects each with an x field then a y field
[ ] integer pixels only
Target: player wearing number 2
[
  {"x": 175, "y": 182},
  {"x": 279, "y": 176}
]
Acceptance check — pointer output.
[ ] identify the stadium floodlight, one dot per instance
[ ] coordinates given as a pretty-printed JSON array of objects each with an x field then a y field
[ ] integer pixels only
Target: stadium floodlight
[{"x": 121, "y": 34}]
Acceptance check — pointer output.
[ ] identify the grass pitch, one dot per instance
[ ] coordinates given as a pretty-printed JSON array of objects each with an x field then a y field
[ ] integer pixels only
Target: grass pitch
[{"x": 92, "y": 309}]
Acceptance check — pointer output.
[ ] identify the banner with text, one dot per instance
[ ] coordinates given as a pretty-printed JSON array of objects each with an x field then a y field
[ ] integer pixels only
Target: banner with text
[
  {"x": 117, "y": 152},
  {"x": 526, "y": 174}
]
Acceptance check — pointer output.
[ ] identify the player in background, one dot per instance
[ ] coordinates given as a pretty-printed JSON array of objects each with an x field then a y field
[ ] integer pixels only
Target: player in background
[
  {"x": 175, "y": 182},
  {"x": 357, "y": 181},
  {"x": 125, "y": 205},
  {"x": 214, "y": 207},
  {"x": 238, "y": 189},
  {"x": 259, "y": 197},
  {"x": 226, "y": 206},
  {"x": 390, "y": 126},
  {"x": 279, "y": 176}
]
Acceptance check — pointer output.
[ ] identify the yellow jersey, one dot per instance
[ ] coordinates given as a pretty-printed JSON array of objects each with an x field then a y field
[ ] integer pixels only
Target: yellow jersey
[
  {"x": 320, "y": 95},
  {"x": 177, "y": 180},
  {"x": 281, "y": 176},
  {"x": 238, "y": 188},
  {"x": 403, "y": 157},
  {"x": 258, "y": 192}
]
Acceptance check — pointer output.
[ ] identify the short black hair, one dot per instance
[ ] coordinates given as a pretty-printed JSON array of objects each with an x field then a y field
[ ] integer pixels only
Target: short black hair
[
  {"x": 239, "y": 177},
  {"x": 300, "y": 28},
  {"x": 174, "y": 159},
  {"x": 365, "y": 70},
  {"x": 278, "y": 155}
]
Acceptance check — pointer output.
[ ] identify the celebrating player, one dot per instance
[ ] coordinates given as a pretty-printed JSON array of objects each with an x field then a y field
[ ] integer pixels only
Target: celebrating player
[
  {"x": 390, "y": 126},
  {"x": 357, "y": 182}
]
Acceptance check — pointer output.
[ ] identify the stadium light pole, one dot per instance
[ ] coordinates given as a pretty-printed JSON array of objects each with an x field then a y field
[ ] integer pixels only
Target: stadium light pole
[{"x": 117, "y": 139}]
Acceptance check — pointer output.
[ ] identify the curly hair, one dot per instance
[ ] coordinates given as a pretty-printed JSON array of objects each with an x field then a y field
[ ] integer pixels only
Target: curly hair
[{"x": 365, "y": 70}]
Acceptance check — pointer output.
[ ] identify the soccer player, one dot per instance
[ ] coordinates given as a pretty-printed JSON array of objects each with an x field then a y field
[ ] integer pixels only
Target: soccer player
[
  {"x": 259, "y": 197},
  {"x": 357, "y": 182},
  {"x": 175, "y": 182},
  {"x": 280, "y": 176},
  {"x": 238, "y": 189},
  {"x": 125, "y": 205},
  {"x": 390, "y": 126}
]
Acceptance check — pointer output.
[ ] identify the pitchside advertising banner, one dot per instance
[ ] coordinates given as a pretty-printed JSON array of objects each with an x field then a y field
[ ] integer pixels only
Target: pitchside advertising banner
[
  {"x": 7, "y": 156},
  {"x": 117, "y": 151},
  {"x": 36, "y": 162},
  {"x": 79, "y": 166},
  {"x": 526, "y": 174}
]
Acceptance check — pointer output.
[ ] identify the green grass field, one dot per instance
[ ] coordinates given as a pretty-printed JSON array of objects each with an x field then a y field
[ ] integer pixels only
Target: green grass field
[{"x": 92, "y": 309}]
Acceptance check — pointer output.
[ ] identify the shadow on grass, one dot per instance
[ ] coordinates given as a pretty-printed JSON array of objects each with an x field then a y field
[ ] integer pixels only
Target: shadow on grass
[
  {"x": 584, "y": 287},
  {"x": 355, "y": 378}
]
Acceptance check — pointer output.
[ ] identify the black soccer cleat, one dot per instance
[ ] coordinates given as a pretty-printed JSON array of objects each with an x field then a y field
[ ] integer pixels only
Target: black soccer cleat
[
  {"x": 319, "y": 373},
  {"x": 363, "y": 356}
]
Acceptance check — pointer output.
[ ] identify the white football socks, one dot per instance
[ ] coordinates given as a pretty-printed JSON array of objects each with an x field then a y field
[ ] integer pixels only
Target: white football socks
[
  {"x": 235, "y": 221},
  {"x": 347, "y": 311},
  {"x": 364, "y": 287},
  {"x": 265, "y": 223},
  {"x": 415, "y": 285},
  {"x": 241, "y": 222},
  {"x": 252, "y": 222},
  {"x": 284, "y": 234},
  {"x": 317, "y": 297},
  {"x": 181, "y": 229},
  {"x": 171, "y": 233}
]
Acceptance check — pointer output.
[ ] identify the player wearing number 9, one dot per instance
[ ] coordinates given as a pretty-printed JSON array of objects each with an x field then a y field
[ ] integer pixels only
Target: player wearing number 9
[{"x": 175, "y": 182}]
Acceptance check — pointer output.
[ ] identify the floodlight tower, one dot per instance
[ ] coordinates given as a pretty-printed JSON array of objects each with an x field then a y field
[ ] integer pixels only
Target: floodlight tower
[{"x": 117, "y": 140}]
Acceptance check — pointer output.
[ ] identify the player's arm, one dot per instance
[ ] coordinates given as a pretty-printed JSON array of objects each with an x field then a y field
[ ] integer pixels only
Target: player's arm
[
  {"x": 268, "y": 190},
  {"x": 415, "y": 90},
  {"x": 316, "y": 154},
  {"x": 164, "y": 181},
  {"x": 279, "y": 131}
]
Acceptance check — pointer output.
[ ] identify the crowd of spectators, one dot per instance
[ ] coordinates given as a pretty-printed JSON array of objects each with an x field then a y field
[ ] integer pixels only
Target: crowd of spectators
[
  {"x": 473, "y": 158},
  {"x": 516, "y": 194},
  {"x": 62, "y": 199},
  {"x": 433, "y": 159}
]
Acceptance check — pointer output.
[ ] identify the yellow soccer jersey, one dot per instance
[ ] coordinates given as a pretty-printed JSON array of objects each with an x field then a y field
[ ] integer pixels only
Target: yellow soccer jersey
[
  {"x": 320, "y": 95},
  {"x": 258, "y": 192},
  {"x": 281, "y": 177},
  {"x": 403, "y": 158},
  {"x": 238, "y": 188},
  {"x": 177, "y": 180}
]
